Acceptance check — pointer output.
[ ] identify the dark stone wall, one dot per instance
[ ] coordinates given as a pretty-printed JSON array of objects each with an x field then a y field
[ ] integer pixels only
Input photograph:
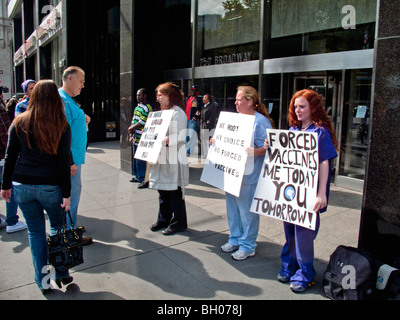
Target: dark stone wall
[{"x": 380, "y": 226}]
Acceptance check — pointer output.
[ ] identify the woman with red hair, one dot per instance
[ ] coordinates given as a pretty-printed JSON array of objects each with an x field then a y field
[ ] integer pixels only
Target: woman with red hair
[
  {"x": 307, "y": 113},
  {"x": 170, "y": 175}
]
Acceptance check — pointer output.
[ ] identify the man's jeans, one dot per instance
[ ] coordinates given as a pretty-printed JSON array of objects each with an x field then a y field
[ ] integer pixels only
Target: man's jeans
[
  {"x": 138, "y": 167},
  {"x": 76, "y": 190},
  {"x": 33, "y": 200}
]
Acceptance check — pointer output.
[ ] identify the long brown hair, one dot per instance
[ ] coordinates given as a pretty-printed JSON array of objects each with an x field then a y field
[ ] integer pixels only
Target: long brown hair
[
  {"x": 45, "y": 118},
  {"x": 318, "y": 112},
  {"x": 174, "y": 93},
  {"x": 252, "y": 94}
]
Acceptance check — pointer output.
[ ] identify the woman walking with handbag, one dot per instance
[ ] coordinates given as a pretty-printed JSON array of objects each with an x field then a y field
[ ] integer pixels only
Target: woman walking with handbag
[{"x": 38, "y": 165}]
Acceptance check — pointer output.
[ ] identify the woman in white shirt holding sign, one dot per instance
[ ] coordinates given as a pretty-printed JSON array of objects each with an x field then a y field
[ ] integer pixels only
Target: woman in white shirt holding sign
[
  {"x": 170, "y": 175},
  {"x": 243, "y": 224}
]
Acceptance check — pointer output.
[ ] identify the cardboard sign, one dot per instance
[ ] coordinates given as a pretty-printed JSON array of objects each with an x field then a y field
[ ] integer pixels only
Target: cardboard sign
[
  {"x": 287, "y": 188},
  {"x": 153, "y": 135},
  {"x": 227, "y": 157}
]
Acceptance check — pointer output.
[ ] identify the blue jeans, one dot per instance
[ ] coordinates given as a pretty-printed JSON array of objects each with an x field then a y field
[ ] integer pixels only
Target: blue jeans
[
  {"x": 76, "y": 191},
  {"x": 243, "y": 224},
  {"x": 12, "y": 207},
  {"x": 33, "y": 200},
  {"x": 138, "y": 167},
  {"x": 192, "y": 135}
]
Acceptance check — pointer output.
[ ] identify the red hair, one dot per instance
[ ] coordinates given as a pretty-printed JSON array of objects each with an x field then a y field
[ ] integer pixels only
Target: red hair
[
  {"x": 318, "y": 112},
  {"x": 174, "y": 94}
]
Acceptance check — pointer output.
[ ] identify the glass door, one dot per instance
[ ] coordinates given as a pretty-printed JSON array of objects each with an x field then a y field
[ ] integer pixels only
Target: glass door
[{"x": 355, "y": 123}]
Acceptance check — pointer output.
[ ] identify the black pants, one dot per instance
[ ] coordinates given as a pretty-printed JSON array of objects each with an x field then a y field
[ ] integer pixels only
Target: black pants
[{"x": 172, "y": 212}]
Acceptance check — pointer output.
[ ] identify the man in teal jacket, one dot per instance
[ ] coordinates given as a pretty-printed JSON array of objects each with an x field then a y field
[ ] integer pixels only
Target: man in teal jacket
[{"x": 73, "y": 83}]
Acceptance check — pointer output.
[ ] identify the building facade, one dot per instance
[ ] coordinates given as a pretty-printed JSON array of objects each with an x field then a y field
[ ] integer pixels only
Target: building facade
[
  {"x": 50, "y": 35},
  {"x": 6, "y": 51},
  {"x": 277, "y": 46}
]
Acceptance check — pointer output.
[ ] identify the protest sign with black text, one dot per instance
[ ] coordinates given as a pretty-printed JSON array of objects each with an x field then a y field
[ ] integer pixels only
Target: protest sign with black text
[
  {"x": 227, "y": 157},
  {"x": 287, "y": 188}
]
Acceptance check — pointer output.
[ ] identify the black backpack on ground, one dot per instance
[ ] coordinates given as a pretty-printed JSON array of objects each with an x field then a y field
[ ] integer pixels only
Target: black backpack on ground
[{"x": 351, "y": 275}]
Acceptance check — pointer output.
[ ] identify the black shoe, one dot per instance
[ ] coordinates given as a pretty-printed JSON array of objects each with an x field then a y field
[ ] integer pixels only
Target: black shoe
[
  {"x": 45, "y": 291},
  {"x": 86, "y": 241},
  {"x": 64, "y": 281},
  {"x": 143, "y": 185},
  {"x": 170, "y": 231},
  {"x": 134, "y": 180},
  {"x": 156, "y": 227}
]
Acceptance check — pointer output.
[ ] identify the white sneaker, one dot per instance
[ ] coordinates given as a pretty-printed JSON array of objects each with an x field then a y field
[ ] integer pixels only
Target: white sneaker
[
  {"x": 228, "y": 248},
  {"x": 3, "y": 223},
  {"x": 241, "y": 255},
  {"x": 19, "y": 226}
]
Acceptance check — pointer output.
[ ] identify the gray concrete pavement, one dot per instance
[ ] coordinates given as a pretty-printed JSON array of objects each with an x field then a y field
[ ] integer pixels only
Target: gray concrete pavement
[{"x": 128, "y": 261}]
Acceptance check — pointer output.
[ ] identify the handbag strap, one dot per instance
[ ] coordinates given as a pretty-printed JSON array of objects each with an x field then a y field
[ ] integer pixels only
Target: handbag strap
[{"x": 63, "y": 226}]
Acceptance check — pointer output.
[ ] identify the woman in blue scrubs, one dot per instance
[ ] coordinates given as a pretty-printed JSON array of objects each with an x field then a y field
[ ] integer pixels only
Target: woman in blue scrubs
[
  {"x": 243, "y": 224},
  {"x": 307, "y": 113}
]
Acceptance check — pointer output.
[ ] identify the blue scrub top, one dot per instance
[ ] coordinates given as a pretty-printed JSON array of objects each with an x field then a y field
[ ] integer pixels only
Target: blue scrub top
[
  {"x": 255, "y": 164},
  {"x": 326, "y": 150},
  {"x": 77, "y": 120}
]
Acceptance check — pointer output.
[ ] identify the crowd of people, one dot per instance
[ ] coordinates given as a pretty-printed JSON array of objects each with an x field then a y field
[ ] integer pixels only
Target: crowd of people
[{"x": 43, "y": 151}]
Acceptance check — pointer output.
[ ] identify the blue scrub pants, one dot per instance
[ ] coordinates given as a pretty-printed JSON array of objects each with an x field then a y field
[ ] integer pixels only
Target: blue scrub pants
[
  {"x": 243, "y": 224},
  {"x": 298, "y": 254}
]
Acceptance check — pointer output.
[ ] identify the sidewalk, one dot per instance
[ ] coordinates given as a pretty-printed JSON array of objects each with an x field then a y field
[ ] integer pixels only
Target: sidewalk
[{"x": 128, "y": 261}]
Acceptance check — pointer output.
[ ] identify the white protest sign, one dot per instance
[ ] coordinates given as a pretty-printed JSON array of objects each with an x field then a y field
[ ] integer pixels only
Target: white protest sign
[
  {"x": 154, "y": 133},
  {"x": 287, "y": 188},
  {"x": 227, "y": 157}
]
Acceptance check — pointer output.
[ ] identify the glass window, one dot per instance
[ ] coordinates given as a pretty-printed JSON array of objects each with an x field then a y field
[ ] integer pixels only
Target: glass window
[
  {"x": 355, "y": 123},
  {"x": 176, "y": 34},
  {"x": 223, "y": 90},
  {"x": 228, "y": 31},
  {"x": 312, "y": 27}
]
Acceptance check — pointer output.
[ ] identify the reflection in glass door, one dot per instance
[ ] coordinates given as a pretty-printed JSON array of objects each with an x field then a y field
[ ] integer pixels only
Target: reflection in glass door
[{"x": 355, "y": 127}]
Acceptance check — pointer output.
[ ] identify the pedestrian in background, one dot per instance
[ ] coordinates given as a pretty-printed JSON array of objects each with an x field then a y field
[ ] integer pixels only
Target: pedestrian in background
[
  {"x": 307, "y": 113},
  {"x": 73, "y": 83},
  {"x": 208, "y": 122},
  {"x": 12, "y": 219},
  {"x": 27, "y": 87},
  {"x": 38, "y": 164},
  {"x": 243, "y": 224},
  {"x": 170, "y": 175},
  {"x": 140, "y": 116},
  {"x": 194, "y": 105}
]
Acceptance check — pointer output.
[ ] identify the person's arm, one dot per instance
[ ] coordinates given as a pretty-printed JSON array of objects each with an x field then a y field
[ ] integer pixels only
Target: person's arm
[
  {"x": 255, "y": 152},
  {"x": 321, "y": 201},
  {"x": 12, "y": 154}
]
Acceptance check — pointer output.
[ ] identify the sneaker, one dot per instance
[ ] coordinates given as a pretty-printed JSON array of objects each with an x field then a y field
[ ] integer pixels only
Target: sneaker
[
  {"x": 19, "y": 226},
  {"x": 3, "y": 223},
  {"x": 282, "y": 278},
  {"x": 297, "y": 288},
  {"x": 228, "y": 248},
  {"x": 241, "y": 255}
]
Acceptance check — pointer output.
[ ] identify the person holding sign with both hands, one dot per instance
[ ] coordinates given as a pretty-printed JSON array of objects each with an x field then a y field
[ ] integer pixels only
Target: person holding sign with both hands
[
  {"x": 307, "y": 113},
  {"x": 243, "y": 224}
]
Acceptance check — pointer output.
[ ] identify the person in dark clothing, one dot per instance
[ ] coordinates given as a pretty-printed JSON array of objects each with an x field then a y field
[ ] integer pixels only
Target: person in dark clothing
[
  {"x": 12, "y": 221},
  {"x": 38, "y": 164}
]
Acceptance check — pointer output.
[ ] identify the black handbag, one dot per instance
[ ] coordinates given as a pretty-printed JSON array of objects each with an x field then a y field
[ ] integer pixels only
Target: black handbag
[{"x": 65, "y": 248}]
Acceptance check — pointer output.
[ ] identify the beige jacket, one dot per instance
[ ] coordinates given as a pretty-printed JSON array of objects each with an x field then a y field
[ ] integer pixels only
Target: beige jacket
[{"x": 172, "y": 169}]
